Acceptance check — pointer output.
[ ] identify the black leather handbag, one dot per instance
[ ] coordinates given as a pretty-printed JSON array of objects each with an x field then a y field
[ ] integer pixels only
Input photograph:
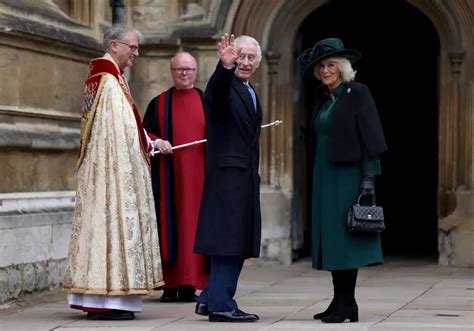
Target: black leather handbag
[{"x": 365, "y": 218}]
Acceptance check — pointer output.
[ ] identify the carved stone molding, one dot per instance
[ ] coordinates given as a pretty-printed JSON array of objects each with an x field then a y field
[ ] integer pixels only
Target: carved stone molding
[
  {"x": 44, "y": 129},
  {"x": 198, "y": 20},
  {"x": 459, "y": 124},
  {"x": 35, "y": 203},
  {"x": 39, "y": 113},
  {"x": 273, "y": 61},
  {"x": 43, "y": 20},
  {"x": 274, "y": 148},
  {"x": 456, "y": 58},
  {"x": 37, "y": 31},
  {"x": 38, "y": 10},
  {"x": 202, "y": 20}
]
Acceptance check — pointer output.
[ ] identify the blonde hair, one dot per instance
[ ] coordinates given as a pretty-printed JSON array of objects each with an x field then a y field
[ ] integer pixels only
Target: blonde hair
[{"x": 344, "y": 66}]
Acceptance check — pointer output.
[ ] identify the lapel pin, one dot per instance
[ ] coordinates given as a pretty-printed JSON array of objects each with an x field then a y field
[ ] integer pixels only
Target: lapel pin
[{"x": 349, "y": 90}]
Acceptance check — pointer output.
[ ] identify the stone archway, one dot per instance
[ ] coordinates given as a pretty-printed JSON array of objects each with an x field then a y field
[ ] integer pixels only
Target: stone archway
[
  {"x": 401, "y": 71},
  {"x": 276, "y": 80}
]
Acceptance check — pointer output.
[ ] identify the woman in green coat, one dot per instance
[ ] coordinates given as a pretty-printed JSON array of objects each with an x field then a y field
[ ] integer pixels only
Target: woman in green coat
[{"x": 347, "y": 140}]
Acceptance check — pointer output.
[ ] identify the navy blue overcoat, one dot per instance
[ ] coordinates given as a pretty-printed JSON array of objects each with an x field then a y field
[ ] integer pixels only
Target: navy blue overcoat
[{"x": 230, "y": 219}]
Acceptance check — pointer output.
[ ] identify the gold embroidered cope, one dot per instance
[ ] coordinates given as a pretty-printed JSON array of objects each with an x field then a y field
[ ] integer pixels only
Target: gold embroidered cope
[{"x": 114, "y": 248}]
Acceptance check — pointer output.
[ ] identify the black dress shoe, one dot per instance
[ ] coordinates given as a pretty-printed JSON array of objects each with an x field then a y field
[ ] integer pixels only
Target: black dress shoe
[
  {"x": 201, "y": 309},
  {"x": 169, "y": 295},
  {"x": 187, "y": 297},
  {"x": 112, "y": 315},
  {"x": 235, "y": 315},
  {"x": 187, "y": 293}
]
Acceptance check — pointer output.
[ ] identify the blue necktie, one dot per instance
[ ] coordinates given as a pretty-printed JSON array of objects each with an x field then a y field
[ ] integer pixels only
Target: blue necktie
[{"x": 252, "y": 94}]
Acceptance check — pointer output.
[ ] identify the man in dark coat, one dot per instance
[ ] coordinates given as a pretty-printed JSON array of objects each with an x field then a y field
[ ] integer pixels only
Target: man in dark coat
[{"x": 229, "y": 227}]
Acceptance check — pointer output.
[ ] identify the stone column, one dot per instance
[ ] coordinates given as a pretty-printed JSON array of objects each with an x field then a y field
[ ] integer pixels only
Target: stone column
[
  {"x": 458, "y": 178},
  {"x": 277, "y": 104},
  {"x": 276, "y": 205},
  {"x": 455, "y": 224}
]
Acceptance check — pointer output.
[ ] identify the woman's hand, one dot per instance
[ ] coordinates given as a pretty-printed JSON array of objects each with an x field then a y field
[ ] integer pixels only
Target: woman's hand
[{"x": 367, "y": 186}]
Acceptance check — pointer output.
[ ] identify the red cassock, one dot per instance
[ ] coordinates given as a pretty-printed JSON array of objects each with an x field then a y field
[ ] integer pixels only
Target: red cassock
[{"x": 180, "y": 115}]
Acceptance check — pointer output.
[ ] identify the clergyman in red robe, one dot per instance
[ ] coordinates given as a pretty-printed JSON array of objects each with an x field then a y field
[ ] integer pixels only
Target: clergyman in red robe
[{"x": 176, "y": 117}]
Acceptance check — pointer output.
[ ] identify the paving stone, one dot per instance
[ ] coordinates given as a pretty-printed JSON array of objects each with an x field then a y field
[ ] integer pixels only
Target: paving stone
[{"x": 400, "y": 295}]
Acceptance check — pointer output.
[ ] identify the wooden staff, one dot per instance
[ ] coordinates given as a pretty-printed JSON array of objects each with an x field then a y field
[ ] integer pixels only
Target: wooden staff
[{"x": 274, "y": 123}]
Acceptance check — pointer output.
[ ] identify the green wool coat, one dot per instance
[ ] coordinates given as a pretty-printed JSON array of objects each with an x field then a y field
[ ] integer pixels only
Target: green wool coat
[{"x": 335, "y": 190}]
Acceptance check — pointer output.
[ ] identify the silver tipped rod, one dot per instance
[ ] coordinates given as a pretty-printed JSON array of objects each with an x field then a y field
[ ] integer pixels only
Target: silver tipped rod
[{"x": 274, "y": 123}]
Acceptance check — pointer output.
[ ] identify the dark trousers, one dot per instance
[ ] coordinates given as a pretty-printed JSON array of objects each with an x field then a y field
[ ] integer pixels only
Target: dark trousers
[{"x": 221, "y": 285}]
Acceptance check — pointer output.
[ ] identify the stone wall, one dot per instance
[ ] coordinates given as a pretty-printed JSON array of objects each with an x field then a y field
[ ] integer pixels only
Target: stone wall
[
  {"x": 276, "y": 232},
  {"x": 34, "y": 238},
  {"x": 44, "y": 58},
  {"x": 43, "y": 63}
]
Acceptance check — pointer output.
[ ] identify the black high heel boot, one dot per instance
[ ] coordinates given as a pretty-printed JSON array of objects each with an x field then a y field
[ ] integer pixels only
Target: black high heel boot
[
  {"x": 337, "y": 282},
  {"x": 346, "y": 306},
  {"x": 329, "y": 309}
]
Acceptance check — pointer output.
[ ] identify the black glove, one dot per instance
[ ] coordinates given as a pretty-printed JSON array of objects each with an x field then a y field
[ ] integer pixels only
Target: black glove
[{"x": 367, "y": 185}]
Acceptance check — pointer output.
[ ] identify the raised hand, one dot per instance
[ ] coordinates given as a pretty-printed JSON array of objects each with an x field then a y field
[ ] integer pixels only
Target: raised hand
[{"x": 227, "y": 52}]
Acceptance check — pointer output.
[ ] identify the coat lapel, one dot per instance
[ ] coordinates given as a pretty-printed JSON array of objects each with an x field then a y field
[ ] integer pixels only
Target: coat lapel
[
  {"x": 258, "y": 112},
  {"x": 258, "y": 115},
  {"x": 249, "y": 119},
  {"x": 244, "y": 95}
]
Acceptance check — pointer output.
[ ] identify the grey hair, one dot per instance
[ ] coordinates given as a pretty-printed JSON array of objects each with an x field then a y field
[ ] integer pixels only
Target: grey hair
[
  {"x": 344, "y": 66},
  {"x": 117, "y": 32},
  {"x": 245, "y": 38}
]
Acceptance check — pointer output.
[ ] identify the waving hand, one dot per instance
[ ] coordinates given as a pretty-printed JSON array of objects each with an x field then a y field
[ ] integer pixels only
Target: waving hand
[{"x": 227, "y": 52}]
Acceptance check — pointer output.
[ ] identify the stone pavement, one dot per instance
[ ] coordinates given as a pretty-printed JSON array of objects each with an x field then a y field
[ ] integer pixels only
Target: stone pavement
[{"x": 400, "y": 295}]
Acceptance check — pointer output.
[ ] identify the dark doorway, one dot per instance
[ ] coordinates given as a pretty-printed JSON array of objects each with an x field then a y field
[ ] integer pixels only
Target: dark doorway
[{"x": 400, "y": 51}]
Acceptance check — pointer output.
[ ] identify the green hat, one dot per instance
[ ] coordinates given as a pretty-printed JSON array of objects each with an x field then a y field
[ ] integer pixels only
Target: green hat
[{"x": 323, "y": 49}]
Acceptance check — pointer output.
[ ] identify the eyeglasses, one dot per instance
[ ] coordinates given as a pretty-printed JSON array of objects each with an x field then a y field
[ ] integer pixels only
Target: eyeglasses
[
  {"x": 182, "y": 70},
  {"x": 133, "y": 48},
  {"x": 250, "y": 57}
]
